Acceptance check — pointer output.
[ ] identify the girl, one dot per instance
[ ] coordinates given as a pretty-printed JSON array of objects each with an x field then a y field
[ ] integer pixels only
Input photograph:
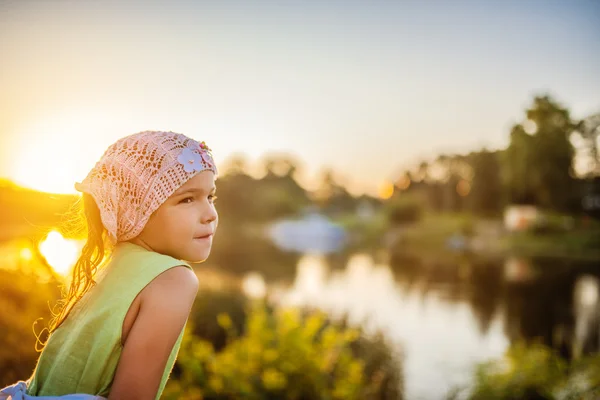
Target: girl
[{"x": 149, "y": 207}]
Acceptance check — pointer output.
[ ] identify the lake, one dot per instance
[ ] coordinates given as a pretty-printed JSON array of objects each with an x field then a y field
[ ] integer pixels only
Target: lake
[{"x": 445, "y": 315}]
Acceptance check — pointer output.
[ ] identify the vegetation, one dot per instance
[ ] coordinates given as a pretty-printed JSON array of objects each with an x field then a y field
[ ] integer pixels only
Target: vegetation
[
  {"x": 25, "y": 295},
  {"x": 529, "y": 372},
  {"x": 284, "y": 354}
]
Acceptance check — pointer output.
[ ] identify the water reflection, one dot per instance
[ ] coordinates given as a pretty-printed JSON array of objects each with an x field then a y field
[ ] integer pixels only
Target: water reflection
[
  {"x": 586, "y": 309},
  {"x": 313, "y": 233},
  {"x": 254, "y": 286},
  {"x": 448, "y": 314},
  {"x": 440, "y": 339},
  {"x": 518, "y": 269},
  {"x": 60, "y": 253},
  {"x": 20, "y": 256},
  {"x": 26, "y": 254}
]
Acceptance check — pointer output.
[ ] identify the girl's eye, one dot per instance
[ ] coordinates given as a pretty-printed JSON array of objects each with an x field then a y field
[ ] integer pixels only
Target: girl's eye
[
  {"x": 212, "y": 198},
  {"x": 187, "y": 200}
]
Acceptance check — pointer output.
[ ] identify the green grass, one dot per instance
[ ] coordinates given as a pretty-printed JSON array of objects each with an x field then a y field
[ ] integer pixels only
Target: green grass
[
  {"x": 583, "y": 244},
  {"x": 432, "y": 231}
]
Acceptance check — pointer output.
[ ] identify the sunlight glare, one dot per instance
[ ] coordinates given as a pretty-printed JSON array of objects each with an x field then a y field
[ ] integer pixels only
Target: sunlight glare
[
  {"x": 463, "y": 188},
  {"x": 403, "y": 183},
  {"x": 53, "y": 152},
  {"x": 60, "y": 253},
  {"x": 26, "y": 254},
  {"x": 386, "y": 190}
]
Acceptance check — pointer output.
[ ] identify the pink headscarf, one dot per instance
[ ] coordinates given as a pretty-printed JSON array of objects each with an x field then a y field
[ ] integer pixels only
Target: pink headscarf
[{"x": 138, "y": 173}]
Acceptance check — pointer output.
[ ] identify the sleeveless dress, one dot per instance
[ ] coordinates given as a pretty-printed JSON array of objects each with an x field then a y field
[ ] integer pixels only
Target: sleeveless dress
[{"x": 82, "y": 354}]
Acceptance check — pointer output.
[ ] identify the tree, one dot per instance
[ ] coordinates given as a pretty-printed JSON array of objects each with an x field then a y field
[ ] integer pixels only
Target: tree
[
  {"x": 539, "y": 163},
  {"x": 517, "y": 161},
  {"x": 280, "y": 165},
  {"x": 588, "y": 131},
  {"x": 332, "y": 196},
  {"x": 236, "y": 165},
  {"x": 485, "y": 196},
  {"x": 423, "y": 172}
]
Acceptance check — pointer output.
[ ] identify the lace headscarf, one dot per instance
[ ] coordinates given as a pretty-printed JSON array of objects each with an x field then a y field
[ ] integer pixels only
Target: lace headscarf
[{"x": 138, "y": 173}]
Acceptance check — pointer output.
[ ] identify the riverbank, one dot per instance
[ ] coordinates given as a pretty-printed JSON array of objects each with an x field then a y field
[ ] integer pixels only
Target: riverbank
[
  {"x": 455, "y": 233},
  {"x": 578, "y": 244}
]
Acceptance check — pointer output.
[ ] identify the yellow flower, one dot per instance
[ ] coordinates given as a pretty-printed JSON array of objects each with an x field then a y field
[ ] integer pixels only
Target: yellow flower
[
  {"x": 273, "y": 379},
  {"x": 355, "y": 371},
  {"x": 216, "y": 384},
  {"x": 224, "y": 321},
  {"x": 270, "y": 355},
  {"x": 202, "y": 350},
  {"x": 313, "y": 324},
  {"x": 351, "y": 335}
]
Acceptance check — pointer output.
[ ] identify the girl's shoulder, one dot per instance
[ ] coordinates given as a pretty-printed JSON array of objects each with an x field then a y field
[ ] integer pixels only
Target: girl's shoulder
[
  {"x": 134, "y": 272},
  {"x": 179, "y": 281},
  {"x": 160, "y": 281}
]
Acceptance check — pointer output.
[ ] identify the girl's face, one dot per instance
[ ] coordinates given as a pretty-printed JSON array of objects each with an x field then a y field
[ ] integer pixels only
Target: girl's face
[{"x": 184, "y": 225}]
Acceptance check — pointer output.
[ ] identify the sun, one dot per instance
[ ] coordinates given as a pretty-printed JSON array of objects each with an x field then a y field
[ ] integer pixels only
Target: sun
[
  {"x": 53, "y": 153},
  {"x": 46, "y": 167}
]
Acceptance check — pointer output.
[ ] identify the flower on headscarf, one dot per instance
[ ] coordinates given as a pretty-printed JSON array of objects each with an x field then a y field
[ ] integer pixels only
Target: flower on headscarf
[
  {"x": 205, "y": 154},
  {"x": 191, "y": 160},
  {"x": 204, "y": 147}
]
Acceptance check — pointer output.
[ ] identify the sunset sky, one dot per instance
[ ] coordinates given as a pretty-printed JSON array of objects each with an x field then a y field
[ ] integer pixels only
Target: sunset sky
[{"x": 366, "y": 87}]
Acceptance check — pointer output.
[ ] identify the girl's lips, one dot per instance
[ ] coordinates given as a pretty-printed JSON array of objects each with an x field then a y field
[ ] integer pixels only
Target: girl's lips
[{"x": 204, "y": 237}]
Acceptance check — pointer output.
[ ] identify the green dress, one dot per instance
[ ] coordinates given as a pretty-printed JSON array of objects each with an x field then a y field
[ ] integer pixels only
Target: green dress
[{"x": 82, "y": 354}]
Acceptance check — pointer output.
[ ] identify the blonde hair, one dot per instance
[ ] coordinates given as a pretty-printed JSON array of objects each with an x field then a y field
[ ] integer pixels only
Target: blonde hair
[{"x": 84, "y": 216}]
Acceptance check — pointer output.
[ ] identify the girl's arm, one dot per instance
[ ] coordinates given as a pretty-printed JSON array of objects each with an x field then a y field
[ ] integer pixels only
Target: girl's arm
[{"x": 165, "y": 305}]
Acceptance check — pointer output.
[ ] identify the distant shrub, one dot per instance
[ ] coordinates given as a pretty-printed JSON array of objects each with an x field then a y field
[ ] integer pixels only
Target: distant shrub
[
  {"x": 551, "y": 224},
  {"x": 404, "y": 210}
]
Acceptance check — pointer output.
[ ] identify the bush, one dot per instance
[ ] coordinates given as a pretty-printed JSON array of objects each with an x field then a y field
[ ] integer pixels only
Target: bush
[
  {"x": 282, "y": 355},
  {"x": 23, "y": 299},
  {"x": 404, "y": 210},
  {"x": 537, "y": 372},
  {"x": 551, "y": 224},
  {"x": 208, "y": 306}
]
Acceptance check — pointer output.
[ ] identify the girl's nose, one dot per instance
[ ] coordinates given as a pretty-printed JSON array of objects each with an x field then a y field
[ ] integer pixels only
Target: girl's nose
[{"x": 210, "y": 215}]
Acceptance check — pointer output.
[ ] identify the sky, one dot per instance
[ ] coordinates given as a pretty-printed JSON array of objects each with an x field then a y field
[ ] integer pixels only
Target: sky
[{"x": 365, "y": 87}]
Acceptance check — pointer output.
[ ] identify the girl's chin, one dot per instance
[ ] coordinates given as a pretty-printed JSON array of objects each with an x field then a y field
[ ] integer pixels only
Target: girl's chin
[{"x": 197, "y": 255}]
